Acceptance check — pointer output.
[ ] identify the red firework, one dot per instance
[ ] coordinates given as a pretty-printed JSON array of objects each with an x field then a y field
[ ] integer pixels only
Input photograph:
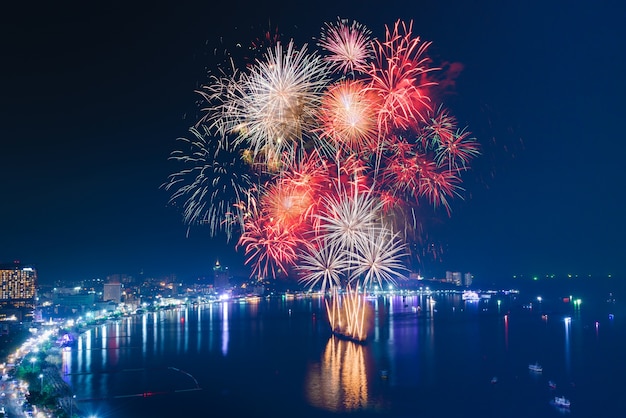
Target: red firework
[
  {"x": 398, "y": 77},
  {"x": 438, "y": 187},
  {"x": 440, "y": 126},
  {"x": 292, "y": 197},
  {"x": 402, "y": 173},
  {"x": 458, "y": 150},
  {"x": 270, "y": 247}
]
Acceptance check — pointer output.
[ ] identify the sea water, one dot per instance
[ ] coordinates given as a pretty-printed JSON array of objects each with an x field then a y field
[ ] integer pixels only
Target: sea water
[{"x": 427, "y": 355}]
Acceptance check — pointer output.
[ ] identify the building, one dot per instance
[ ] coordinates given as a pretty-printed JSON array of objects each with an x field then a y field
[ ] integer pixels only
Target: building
[
  {"x": 453, "y": 277},
  {"x": 467, "y": 279},
  {"x": 459, "y": 279},
  {"x": 17, "y": 285},
  {"x": 112, "y": 292},
  {"x": 221, "y": 277}
]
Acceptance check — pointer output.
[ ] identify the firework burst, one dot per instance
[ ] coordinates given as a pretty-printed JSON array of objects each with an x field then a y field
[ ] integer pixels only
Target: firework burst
[
  {"x": 349, "y": 46},
  {"x": 213, "y": 183},
  {"x": 348, "y": 116},
  {"x": 398, "y": 77},
  {"x": 270, "y": 248},
  {"x": 348, "y": 217},
  {"x": 324, "y": 265},
  {"x": 379, "y": 259},
  {"x": 278, "y": 106}
]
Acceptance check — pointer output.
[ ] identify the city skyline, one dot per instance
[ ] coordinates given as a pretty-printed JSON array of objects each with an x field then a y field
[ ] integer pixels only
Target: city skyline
[{"x": 95, "y": 102}]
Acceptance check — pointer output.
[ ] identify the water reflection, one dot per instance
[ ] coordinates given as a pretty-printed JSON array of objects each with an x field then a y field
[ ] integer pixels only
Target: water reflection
[
  {"x": 506, "y": 332},
  {"x": 339, "y": 383},
  {"x": 144, "y": 333},
  {"x": 568, "y": 322},
  {"x": 103, "y": 338},
  {"x": 199, "y": 325},
  {"x": 224, "y": 328}
]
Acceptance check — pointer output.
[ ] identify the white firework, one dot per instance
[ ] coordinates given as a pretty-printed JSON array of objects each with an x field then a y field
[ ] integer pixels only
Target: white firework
[
  {"x": 349, "y": 46},
  {"x": 378, "y": 259},
  {"x": 324, "y": 264},
  {"x": 214, "y": 185},
  {"x": 221, "y": 96},
  {"x": 348, "y": 217},
  {"x": 278, "y": 101}
]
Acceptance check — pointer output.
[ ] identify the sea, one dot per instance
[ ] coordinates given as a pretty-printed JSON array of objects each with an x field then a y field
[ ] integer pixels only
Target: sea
[{"x": 428, "y": 354}]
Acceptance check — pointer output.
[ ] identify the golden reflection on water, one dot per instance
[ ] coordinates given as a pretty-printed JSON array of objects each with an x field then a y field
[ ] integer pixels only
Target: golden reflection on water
[{"x": 339, "y": 383}]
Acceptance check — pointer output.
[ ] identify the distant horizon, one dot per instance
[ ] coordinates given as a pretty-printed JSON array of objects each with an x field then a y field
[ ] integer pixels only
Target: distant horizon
[{"x": 239, "y": 273}]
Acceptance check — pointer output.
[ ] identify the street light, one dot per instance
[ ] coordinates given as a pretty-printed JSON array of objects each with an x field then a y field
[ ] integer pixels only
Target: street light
[
  {"x": 32, "y": 362},
  {"x": 41, "y": 378}
]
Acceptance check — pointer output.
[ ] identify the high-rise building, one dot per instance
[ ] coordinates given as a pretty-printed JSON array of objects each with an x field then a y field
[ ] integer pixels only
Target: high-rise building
[
  {"x": 467, "y": 279},
  {"x": 221, "y": 276},
  {"x": 17, "y": 285}
]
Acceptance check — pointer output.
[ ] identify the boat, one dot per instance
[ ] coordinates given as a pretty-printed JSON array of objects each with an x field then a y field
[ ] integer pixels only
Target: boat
[
  {"x": 470, "y": 296},
  {"x": 561, "y": 402},
  {"x": 346, "y": 337},
  {"x": 494, "y": 380},
  {"x": 551, "y": 384},
  {"x": 535, "y": 368}
]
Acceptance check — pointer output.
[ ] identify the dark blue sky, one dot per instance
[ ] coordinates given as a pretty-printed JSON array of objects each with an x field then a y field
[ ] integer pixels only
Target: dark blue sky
[{"x": 94, "y": 97}]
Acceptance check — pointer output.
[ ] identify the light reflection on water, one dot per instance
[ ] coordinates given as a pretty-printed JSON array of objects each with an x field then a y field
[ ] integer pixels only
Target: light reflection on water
[
  {"x": 240, "y": 348},
  {"x": 225, "y": 329},
  {"x": 339, "y": 382}
]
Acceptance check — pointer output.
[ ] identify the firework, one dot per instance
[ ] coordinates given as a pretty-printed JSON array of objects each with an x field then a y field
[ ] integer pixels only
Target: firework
[
  {"x": 213, "y": 183},
  {"x": 398, "y": 77},
  {"x": 457, "y": 151},
  {"x": 270, "y": 247},
  {"x": 324, "y": 265},
  {"x": 348, "y": 217},
  {"x": 348, "y": 116},
  {"x": 349, "y": 46},
  {"x": 277, "y": 109},
  {"x": 379, "y": 259},
  {"x": 323, "y": 160}
]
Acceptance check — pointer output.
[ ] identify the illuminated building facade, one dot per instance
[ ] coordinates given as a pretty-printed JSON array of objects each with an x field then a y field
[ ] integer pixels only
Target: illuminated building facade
[{"x": 17, "y": 285}]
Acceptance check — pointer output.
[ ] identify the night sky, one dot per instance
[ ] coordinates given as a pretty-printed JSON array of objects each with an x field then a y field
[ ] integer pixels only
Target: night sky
[{"x": 94, "y": 97}]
